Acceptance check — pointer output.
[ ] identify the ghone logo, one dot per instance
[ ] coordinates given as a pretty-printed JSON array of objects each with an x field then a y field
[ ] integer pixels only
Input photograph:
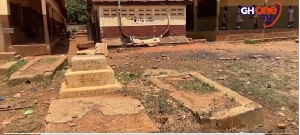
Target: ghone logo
[{"x": 266, "y": 12}]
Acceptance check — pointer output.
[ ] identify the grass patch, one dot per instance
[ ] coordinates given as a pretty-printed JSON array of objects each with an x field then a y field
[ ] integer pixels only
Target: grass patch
[
  {"x": 65, "y": 66},
  {"x": 15, "y": 68},
  {"x": 165, "y": 107},
  {"x": 180, "y": 104},
  {"x": 237, "y": 66},
  {"x": 48, "y": 60},
  {"x": 197, "y": 85},
  {"x": 258, "y": 91},
  {"x": 58, "y": 76},
  {"x": 251, "y": 41},
  {"x": 163, "y": 73},
  {"x": 127, "y": 77},
  {"x": 148, "y": 83}
]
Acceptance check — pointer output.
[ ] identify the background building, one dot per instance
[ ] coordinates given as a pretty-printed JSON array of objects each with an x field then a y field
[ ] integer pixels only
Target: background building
[{"x": 37, "y": 25}]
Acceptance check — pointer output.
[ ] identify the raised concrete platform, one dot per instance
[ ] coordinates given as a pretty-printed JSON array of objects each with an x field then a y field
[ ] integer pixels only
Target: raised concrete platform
[
  {"x": 89, "y": 78},
  {"x": 100, "y": 114},
  {"x": 89, "y": 91},
  {"x": 21, "y": 75},
  {"x": 247, "y": 113},
  {"x": 4, "y": 69}
]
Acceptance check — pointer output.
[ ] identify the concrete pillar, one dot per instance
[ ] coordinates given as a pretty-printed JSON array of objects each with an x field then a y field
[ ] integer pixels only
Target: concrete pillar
[
  {"x": 4, "y": 18},
  {"x": 265, "y": 3},
  {"x": 195, "y": 7},
  {"x": 218, "y": 15},
  {"x": 46, "y": 31}
]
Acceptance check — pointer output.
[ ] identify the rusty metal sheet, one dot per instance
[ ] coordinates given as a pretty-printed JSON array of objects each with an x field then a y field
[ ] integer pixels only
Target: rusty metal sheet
[{"x": 7, "y": 30}]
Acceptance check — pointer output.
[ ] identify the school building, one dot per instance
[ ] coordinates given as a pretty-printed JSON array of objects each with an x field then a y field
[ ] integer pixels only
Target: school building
[
  {"x": 191, "y": 18},
  {"x": 207, "y": 25},
  {"x": 36, "y": 25}
]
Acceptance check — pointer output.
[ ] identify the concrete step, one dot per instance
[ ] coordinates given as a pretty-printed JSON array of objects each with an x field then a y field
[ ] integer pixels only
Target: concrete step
[{"x": 8, "y": 55}]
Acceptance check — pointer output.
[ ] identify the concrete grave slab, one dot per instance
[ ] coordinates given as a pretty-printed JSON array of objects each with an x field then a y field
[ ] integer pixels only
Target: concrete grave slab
[
  {"x": 88, "y": 62},
  {"x": 89, "y": 78},
  {"x": 98, "y": 123},
  {"x": 62, "y": 110},
  {"x": 246, "y": 113},
  {"x": 99, "y": 114},
  {"x": 22, "y": 75}
]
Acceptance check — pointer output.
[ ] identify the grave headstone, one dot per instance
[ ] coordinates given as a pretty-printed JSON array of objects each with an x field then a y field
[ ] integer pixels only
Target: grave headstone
[
  {"x": 101, "y": 48},
  {"x": 89, "y": 76},
  {"x": 88, "y": 62}
]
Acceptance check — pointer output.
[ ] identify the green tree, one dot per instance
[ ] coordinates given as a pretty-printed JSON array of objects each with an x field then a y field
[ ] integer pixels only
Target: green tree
[{"x": 77, "y": 11}]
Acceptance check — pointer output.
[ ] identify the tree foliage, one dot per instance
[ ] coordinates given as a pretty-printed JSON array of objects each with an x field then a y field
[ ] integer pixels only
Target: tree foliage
[{"x": 77, "y": 11}]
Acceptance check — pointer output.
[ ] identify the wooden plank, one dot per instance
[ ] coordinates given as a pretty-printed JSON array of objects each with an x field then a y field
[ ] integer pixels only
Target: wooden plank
[{"x": 7, "y": 30}]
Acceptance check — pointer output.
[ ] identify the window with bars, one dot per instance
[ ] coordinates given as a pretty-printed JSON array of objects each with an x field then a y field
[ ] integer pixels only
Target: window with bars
[
  {"x": 177, "y": 12},
  {"x": 109, "y": 12},
  {"x": 145, "y": 12},
  {"x": 160, "y": 12}
]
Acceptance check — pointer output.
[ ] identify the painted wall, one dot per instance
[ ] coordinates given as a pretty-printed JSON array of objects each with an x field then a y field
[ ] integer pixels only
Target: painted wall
[
  {"x": 128, "y": 12},
  {"x": 282, "y": 22},
  {"x": 155, "y": 20},
  {"x": 232, "y": 10},
  {"x": 4, "y": 7},
  {"x": 248, "y": 24}
]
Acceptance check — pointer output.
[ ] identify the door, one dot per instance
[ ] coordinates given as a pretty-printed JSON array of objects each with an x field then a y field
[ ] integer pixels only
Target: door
[{"x": 189, "y": 17}]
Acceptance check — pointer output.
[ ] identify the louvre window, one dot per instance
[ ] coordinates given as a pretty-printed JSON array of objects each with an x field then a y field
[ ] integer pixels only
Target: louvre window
[
  {"x": 177, "y": 12},
  {"x": 145, "y": 12},
  {"x": 109, "y": 12},
  {"x": 160, "y": 12}
]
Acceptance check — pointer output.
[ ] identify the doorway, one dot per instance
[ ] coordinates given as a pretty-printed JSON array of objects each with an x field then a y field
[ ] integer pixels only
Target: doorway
[{"x": 189, "y": 17}]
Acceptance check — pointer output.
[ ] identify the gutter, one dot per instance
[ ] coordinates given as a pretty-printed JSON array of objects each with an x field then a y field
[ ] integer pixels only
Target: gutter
[
  {"x": 120, "y": 21},
  {"x": 167, "y": 30}
]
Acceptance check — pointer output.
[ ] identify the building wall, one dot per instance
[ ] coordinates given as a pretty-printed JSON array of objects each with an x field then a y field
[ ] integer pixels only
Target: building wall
[
  {"x": 248, "y": 24},
  {"x": 156, "y": 14},
  {"x": 19, "y": 35},
  {"x": 4, "y": 17},
  {"x": 10, "y": 40},
  {"x": 58, "y": 16},
  {"x": 282, "y": 22}
]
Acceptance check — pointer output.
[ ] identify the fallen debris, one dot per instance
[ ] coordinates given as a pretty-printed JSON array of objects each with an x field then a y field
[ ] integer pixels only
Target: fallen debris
[
  {"x": 257, "y": 56},
  {"x": 224, "y": 49},
  {"x": 27, "y": 112},
  {"x": 17, "y": 108},
  {"x": 18, "y": 95},
  {"x": 281, "y": 126},
  {"x": 230, "y": 58}
]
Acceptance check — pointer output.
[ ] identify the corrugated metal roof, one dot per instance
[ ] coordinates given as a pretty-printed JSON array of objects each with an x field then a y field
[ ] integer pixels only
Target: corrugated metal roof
[{"x": 141, "y": 0}]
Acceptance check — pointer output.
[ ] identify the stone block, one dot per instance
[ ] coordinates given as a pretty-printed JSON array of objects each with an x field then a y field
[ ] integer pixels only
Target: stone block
[
  {"x": 7, "y": 55},
  {"x": 88, "y": 62},
  {"x": 239, "y": 117},
  {"x": 89, "y": 91},
  {"x": 89, "y": 78},
  {"x": 4, "y": 69},
  {"x": 101, "y": 48}
]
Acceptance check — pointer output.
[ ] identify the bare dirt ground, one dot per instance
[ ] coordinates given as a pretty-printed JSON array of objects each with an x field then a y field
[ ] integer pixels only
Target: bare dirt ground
[{"x": 266, "y": 73}]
